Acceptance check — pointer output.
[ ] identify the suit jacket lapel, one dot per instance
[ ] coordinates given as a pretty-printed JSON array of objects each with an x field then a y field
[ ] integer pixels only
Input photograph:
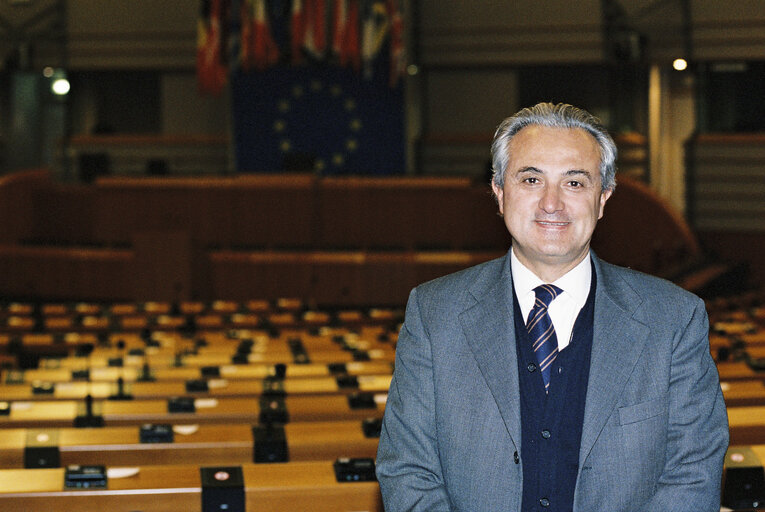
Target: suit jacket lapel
[
  {"x": 489, "y": 329},
  {"x": 618, "y": 340}
]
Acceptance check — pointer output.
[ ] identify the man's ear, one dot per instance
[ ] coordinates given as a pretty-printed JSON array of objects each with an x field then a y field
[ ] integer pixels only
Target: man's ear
[
  {"x": 603, "y": 198},
  {"x": 499, "y": 195}
]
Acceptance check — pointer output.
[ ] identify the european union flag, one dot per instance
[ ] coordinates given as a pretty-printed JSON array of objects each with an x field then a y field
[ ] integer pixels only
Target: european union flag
[{"x": 319, "y": 118}]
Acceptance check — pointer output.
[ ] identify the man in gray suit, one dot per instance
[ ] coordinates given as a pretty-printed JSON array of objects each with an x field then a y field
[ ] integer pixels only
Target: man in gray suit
[{"x": 549, "y": 379}]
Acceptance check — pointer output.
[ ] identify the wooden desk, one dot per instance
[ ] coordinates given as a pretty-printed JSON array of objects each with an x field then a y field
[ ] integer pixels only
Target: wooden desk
[
  {"x": 62, "y": 413},
  {"x": 216, "y": 388},
  {"x": 192, "y": 444},
  {"x": 268, "y": 488},
  {"x": 736, "y": 370},
  {"x": 747, "y": 425},
  {"x": 229, "y": 371},
  {"x": 219, "y": 359},
  {"x": 739, "y": 393}
]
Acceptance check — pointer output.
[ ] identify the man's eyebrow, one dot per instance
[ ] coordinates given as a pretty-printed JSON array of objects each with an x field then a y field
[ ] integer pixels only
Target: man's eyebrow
[
  {"x": 570, "y": 172},
  {"x": 578, "y": 172}
]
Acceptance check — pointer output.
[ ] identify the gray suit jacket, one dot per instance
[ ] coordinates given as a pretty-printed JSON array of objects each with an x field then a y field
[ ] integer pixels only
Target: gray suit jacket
[{"x": 655, "y": 428}]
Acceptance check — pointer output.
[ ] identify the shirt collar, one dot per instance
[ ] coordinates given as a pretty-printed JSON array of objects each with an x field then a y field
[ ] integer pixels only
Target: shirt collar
[{"x": 576, "y": 282}]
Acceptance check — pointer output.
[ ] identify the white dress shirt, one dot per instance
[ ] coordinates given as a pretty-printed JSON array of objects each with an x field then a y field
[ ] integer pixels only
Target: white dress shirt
[{"x": 565, "y": 307}]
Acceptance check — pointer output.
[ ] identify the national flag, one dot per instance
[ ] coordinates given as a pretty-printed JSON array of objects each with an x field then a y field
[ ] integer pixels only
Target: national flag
[
  {"x": 352, "y": 46},
  {"x": 298, "y": 30},
  {"x": 339, "y": 25},
  {"x": 258, "y": 47},
  {"x": 397, "y": 48},
  {"x": 375, "y": 30},
  {"x": 345, "y": 38},
  {"x": 315, "y": 18},
  {"x": 211, "y": 59}
]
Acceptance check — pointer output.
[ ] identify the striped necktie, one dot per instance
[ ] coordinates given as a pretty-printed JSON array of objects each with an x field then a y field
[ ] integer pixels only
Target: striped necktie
[{"x": 541, "y": 330}]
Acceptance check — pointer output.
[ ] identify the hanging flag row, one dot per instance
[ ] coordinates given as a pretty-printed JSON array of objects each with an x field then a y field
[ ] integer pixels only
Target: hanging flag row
[{"x": 258, "y": 34}]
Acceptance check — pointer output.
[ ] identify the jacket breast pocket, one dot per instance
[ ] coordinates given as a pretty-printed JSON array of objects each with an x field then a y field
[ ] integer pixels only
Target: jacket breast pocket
[
  {"x": 642, "y": 411},
  {"x": 643, "y": 429}
]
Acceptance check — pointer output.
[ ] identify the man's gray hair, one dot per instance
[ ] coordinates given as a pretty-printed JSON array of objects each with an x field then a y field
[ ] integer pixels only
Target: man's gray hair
[{"x": 553, "y": 116}]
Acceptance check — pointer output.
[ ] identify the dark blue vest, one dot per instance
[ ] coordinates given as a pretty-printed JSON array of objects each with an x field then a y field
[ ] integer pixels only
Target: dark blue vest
[{"x": 552, "y": 423}]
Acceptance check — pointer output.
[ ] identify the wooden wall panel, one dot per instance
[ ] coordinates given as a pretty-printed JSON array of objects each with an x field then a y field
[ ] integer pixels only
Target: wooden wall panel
[
  {"x": 16, "y": 204},
  {"x": 63, "y": 215},
  {"x": 727, "y": 182},
  {"x": 272, "y": 211},
  {"x": 259, "y": 275},
  {"x": 394, "y": 213},
  {"x": 337, "y": 241}
]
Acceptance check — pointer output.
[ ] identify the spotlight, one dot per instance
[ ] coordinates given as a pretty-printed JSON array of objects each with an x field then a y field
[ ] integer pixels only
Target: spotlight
[
  {"x": 680, "y": 64},
  {"x": 60, "y": 86}
]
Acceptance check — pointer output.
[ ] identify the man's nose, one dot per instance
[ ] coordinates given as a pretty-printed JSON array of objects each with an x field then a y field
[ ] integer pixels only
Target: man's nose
[{"x": 551, "y": 201}]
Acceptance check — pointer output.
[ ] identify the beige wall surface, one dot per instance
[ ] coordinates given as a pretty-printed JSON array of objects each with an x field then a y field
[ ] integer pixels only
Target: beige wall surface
[
  {"x": 467, "y": 54},
  {"x": 151, "y": 34},
  {"x": 131, "y": 34}
]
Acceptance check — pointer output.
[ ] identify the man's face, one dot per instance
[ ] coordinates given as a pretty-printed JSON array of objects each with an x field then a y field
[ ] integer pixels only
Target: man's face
[{"x": 552, "y": 197}]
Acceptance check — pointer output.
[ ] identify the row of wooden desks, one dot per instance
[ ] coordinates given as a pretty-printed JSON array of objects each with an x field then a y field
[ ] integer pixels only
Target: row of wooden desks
[
  {"x": 318, "y": 485},
  {"x": 184, "y": 307},
  {"x": 215, "y": 387},
  {"x": 739, "y": 393},
  {"x": 223, "y": 359},
  {"x": 241, "y": 353},
  {"x": 736, "y": 392},
  {"x": 186, "y": 409},
  {"x": 105, "y": 324},
  {"x": 152, "y": 444},
  {"x": 748, "y": 338},
  {"x": 218, "y": 344},
  {"x": 747, "y": 423},
  {"x": 310, "y": 486},
  {"x": 155, "y": 307},
  {"x": 220, "y": 348},
  {"x": 738, "y": 370},
  {"x": 253, "y": 371},
  {"x": 202, "y": 320},
  {"x": 153, "y": 342},
  {"x": 220, "y": 307}
]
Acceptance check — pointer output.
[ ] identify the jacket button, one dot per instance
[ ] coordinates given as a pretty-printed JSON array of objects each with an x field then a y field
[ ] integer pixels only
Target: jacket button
[
  {"x": 544, "y": 502},
  {"x": 516, "y": 459},
  {"x": 545, "y": 434},
  {"x": 531, "y": 367}
]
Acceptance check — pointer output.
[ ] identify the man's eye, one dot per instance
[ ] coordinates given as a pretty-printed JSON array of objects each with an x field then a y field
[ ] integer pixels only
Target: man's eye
[
  {"x": 531, "y": 179},
  {"x": 575, "y": 184}
]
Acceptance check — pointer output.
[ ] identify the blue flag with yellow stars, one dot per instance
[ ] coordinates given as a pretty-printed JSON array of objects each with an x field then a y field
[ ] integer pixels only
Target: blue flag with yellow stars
[{"x": 317, "y": 118}]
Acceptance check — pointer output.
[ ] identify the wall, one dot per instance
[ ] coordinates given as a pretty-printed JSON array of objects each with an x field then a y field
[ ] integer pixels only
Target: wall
[
  {"x": 131, "y": 34},
  {"x": 728, "y": 188},
  {"x": 468, "y": 56}
]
